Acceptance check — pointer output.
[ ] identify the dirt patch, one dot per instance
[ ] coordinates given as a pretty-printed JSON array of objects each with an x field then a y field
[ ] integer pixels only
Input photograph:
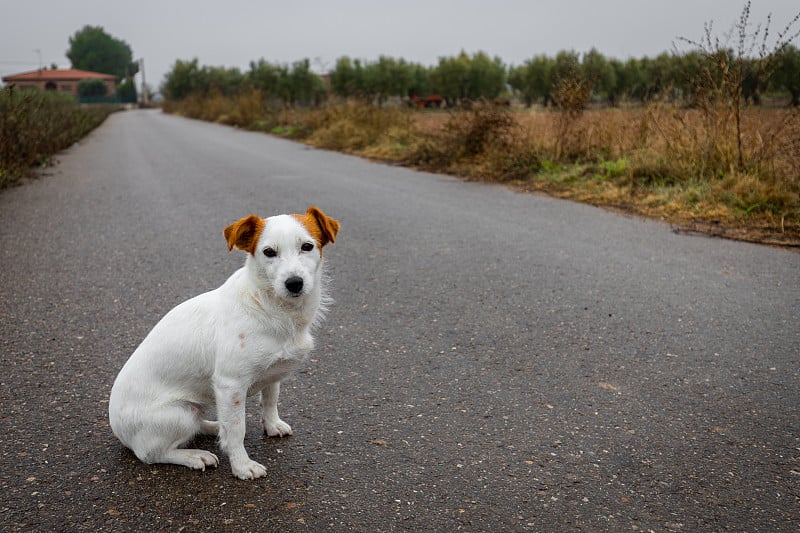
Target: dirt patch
[{"x": 789, "y": 239}]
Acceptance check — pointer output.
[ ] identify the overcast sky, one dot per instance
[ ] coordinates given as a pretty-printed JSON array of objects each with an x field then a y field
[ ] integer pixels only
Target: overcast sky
[{"x": 231, "y": 33}]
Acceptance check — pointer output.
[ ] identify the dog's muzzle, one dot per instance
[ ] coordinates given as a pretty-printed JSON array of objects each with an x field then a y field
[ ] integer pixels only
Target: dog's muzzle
[{"x": 294, "y": 285}]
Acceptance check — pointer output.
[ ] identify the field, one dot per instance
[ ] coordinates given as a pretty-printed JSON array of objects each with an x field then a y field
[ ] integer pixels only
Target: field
[{"x": 715, "y": 169}]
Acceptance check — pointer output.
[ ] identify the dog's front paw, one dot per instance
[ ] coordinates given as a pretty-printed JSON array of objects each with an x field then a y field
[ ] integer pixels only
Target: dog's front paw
[
  {"x": 276, "y": 427},
  {"x": 248, "y": 469}
]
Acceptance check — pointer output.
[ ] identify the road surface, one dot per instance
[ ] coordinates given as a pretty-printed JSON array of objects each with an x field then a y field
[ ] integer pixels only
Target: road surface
[{"x": 494, "y": 361}]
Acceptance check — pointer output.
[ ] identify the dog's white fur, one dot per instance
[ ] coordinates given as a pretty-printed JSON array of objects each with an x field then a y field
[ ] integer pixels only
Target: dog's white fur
[{"x": 219, "y": 348}]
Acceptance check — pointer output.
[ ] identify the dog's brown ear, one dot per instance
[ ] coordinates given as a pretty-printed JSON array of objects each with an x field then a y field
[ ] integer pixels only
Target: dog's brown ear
[
  {"x": 244, "y": 233},
  {"x": 328, "y": 227}
]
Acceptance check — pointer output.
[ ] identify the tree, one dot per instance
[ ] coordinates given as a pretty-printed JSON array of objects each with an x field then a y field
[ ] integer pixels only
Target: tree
[
  {"x": 533, "y": 79},
  {"x": 387, "y": 77},
  {"x": 420, "y": 80},
  {"x": 127, "y": 92},
  {"x": 95, "y": 50},
  {"x": 227, "y": 81},
  {"x": 787, "y": 72},
  {"x": 600, "y": 74},
  {"x": 487, "y": 76},
  {"x": 182, "y": 80},
  {"x": 267, "y": 78},
  {"x": 304, "y": 87},
  {"x": 347, "y": 78},
  {"x": 622, "y": 82},
  {"x": 469, "y": 78}
]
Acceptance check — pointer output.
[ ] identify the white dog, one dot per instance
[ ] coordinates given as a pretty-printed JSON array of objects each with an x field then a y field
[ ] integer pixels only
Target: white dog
[{"x": 219, "y": 348}]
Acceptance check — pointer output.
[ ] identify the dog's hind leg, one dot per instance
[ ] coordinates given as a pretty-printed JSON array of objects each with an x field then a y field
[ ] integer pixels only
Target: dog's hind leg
[
  {"x": 209, "y": 427},
  {"x": 159, "y": 438},
  {"x": 195, "y": 459}
]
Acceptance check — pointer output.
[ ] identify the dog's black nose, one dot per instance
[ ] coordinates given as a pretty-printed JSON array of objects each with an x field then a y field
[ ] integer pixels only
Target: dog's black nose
[{"x": 294, "y": 285}]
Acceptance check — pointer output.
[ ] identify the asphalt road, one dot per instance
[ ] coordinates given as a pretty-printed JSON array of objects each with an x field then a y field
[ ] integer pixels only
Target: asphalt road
[{"x": 494, "y": 361}]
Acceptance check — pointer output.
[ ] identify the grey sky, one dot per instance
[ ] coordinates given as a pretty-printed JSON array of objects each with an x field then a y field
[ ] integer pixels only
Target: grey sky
[{"x": 233, "y": 32}]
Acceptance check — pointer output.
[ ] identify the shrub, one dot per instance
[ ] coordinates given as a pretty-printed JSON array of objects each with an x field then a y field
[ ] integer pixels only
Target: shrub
[
  {"x": 34, "y": 125},
  {"x": 354, "y": 125},
  {"x": 571, "y": 92},
  {"x": 468, "y": 134},
  {"x": 92, "y": 88},
  {"x": 127, "y": 92}
]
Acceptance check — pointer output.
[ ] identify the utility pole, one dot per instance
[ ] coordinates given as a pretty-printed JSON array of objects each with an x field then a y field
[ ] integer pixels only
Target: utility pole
[
  {"x": 145, "y": 99},
  {"x": 39, "y": 53}
]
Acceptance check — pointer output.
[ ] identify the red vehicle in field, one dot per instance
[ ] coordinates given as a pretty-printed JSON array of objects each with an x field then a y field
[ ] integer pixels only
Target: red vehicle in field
[{"x": 421, "y": 102}]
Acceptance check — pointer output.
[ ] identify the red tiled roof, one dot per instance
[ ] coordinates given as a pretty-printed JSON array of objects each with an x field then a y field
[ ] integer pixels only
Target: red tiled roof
[{"x": 58, "y": 75}]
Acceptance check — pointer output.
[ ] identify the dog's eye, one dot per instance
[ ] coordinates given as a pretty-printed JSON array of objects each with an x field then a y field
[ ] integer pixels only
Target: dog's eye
[
  {"x": 270, "y": 252},
  {"x": 307, "y": 247}
]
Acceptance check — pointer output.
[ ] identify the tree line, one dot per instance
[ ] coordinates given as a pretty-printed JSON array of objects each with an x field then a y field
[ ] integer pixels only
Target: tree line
[{"x": 471, "y": 77}]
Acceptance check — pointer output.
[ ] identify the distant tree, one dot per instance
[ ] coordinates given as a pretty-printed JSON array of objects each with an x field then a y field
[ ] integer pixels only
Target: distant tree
[
  {"x": 787, "y": 72},
  {"x": 126, "y": 91},
  {"x": 388, "y": 77},
  {"x": 653, "y": 76},
  {"x": 686, "y": 69},
  {"x": 567, "y": 64},
  {"x": 517, "y": 82},
  {"x": 622, "y": 83},
  {"x": 267, "y": 78},
  {"x": 347, "y": 78},
  {"x": 91, "y": 48},
  {"x": 599, "y": 73},
  {"x": 420, "y": 81},
  {"x": 228, "y": 81},
  {"x": 451, "y": 77},
  {"x": 469, "y": 78},
  {"x": 304, "y": 87},
  {"x": 378, "y": 80},
  {"x": 184, "y": 79},
  {"x": 533, "y": 79},
  {"x": 487, "y": 76}
]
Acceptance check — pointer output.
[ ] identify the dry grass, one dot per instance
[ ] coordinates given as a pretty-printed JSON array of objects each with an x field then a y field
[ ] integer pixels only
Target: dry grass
[{"x": 658, "y": 161}]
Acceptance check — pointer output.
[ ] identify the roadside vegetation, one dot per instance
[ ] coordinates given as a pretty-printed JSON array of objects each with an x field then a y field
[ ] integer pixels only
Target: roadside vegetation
[
  {"x": 662, "y": 160},
  {"x": 34, "y": 125},
  {"x": 708, "y": 138}
]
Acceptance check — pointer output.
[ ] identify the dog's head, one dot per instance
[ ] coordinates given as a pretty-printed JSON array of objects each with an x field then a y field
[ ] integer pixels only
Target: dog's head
[{"x": 285, "y": 250}]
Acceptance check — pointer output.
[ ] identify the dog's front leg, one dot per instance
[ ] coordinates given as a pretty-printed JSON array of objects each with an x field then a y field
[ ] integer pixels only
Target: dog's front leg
[
  {"x": 270, "y": 421},
  {"x": 231, "y": 412}
]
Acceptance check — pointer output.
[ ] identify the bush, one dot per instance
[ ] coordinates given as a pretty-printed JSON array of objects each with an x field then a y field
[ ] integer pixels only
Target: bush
[
  {"x": 92, "y": 88},
  {"x": 355, "y": 125},
  {"x": 468, "y": 134},
  {"x": 34, "y": 125},
  {"x": 127, "y": 92}
]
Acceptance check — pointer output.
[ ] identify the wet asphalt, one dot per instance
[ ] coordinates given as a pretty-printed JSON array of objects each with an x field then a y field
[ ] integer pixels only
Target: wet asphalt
[{"x": 493, "y": 361}]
